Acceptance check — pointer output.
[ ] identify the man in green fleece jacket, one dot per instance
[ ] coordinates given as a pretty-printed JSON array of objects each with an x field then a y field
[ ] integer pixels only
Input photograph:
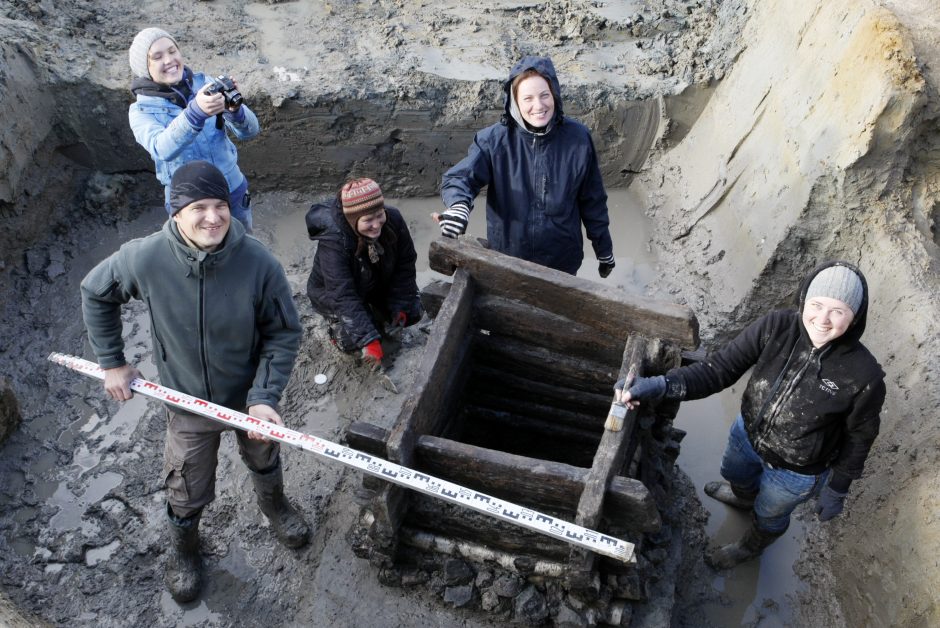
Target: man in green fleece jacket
[{"x": 224, "y": 329}]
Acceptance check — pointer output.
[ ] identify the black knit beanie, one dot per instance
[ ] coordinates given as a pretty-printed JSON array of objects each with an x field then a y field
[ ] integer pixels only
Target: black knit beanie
[{"x": 194, "y": 181}]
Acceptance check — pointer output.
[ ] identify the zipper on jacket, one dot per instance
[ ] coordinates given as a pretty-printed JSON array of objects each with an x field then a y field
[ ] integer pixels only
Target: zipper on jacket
[
  {"x": 203, "y": 352},
  {"x": 767, "y": 422}
]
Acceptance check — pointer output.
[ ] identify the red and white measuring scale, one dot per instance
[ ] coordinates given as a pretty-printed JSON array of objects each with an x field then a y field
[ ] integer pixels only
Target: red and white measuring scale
[{"x": 373, "y": 465}]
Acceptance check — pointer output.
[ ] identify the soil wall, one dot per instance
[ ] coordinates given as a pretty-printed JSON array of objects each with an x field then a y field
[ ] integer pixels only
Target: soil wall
[{"x": 821, "y": 142}]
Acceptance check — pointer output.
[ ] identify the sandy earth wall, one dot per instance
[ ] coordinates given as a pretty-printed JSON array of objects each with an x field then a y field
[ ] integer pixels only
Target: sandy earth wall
[{"x": 822, "y": 142}]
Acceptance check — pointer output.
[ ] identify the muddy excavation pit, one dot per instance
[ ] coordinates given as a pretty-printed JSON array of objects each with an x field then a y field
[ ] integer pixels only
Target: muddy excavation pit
[{"x": 740, "y": 142}]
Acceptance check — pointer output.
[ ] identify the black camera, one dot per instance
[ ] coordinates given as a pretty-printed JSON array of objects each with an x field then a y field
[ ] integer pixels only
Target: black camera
[{"x": 225, "y": 86}]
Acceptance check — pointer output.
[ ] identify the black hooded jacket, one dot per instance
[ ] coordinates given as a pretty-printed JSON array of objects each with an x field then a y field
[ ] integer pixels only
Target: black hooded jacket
[
  {"x": 804, "y": 409},
  {"x": 343, "y": 283}
]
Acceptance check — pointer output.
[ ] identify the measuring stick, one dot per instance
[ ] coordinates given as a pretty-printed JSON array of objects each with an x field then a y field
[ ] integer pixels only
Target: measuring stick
[{"x": 373, "y": 465}]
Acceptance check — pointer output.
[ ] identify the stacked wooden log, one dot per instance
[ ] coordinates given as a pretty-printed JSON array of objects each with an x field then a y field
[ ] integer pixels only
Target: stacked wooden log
[{"x": 510, "y": 399}]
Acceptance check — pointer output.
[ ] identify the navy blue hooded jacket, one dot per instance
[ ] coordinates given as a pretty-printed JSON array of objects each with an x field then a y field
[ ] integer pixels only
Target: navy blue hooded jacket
[
  {"x": 542, "y": 186},
  {"x": 345, "y": 285}
]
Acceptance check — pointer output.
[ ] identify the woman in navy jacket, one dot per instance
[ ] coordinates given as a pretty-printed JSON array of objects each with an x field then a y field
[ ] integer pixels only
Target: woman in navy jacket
[
  {"x": 363, "y": 277},
  {"x": 809, "y": 414},
  {"x": 542, "y": 175}
]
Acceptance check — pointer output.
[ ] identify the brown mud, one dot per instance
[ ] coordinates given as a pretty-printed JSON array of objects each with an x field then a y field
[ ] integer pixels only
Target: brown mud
[{"x": 758, "y": 137}]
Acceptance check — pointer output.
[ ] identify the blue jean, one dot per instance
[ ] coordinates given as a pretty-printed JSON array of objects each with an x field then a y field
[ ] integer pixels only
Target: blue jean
[
  {"x": 779, "y": 491},
  {"x": 239, "y": 204}
]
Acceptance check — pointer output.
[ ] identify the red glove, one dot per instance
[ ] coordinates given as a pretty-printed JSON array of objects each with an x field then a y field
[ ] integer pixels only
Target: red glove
[
  {"x": 372, "y": 353},
  {"x": 400, "y": 320}
]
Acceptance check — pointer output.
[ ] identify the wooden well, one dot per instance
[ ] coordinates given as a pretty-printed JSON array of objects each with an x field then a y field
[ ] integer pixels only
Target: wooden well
[{"x": 510, "y": 399}]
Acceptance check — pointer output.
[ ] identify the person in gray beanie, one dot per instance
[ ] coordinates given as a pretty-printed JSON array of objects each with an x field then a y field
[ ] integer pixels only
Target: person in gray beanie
[
  {"x": 809, "y": 413},
  {"x": 177, "y": 120},
  {"x": 224, "y": 329}
]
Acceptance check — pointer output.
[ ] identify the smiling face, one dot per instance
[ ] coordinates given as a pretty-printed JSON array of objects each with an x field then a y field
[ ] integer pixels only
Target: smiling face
[
  {"x": 826, "y": 319},
  {"x": 204, "y": 223},
  {"x": 370, "y": 225},
  {"x": 165, "y": 62},
  {"x": 535, "y": 101}
]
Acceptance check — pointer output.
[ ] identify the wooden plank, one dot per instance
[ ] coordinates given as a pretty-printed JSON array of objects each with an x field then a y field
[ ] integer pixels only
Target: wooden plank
[
  {"x": 527, "y": 437},
  {"x": 530, "y": 360},
  {"x": 536, "y": 483},
  {"x": 511, "y": 384},
  {"x": 367, "y": 437},
  {"x": 531, "y": 427},
  {"x": 510, "y": 317},
  {"x": 493, "y": 400},
  {"x": 441, "y": 373},
  {"x": 597, "y": 305},
  {"x": 609, "y": 460}
]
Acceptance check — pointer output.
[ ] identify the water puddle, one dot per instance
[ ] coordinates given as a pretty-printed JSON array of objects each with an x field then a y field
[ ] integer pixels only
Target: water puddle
[{"x": 757, "y": 591}]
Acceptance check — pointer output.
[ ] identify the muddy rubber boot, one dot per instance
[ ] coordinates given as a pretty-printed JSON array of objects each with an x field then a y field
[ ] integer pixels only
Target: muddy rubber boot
[
  {"x": 288, "y": 523},
  {"x": 730, "y": 494},
  {"x": 183, "y": 563},
  {"x": 751, "y": 545}
]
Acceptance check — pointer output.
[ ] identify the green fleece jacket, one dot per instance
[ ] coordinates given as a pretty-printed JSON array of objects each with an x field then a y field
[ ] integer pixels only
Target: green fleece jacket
[{"x": 223, "y": 324}]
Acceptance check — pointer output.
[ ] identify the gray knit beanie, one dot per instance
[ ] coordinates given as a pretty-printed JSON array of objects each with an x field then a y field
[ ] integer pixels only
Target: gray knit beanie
[
  {"x": 837, "y": 282},
  {"x": 141, "y": 47}
]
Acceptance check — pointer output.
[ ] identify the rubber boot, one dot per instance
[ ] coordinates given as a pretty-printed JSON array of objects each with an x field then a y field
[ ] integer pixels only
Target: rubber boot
[
  {"x": 288, "y": 523},
  {"x": 183, "y": 563},
  {"x": 751, "y": 545},
  {"x": 730, "y": 494}
]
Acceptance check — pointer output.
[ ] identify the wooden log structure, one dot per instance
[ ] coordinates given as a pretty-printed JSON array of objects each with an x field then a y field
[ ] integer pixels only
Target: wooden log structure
[
  {"x": 608, "y": 462},
  {"x": 590, "y": 303},
  {"x": 531, "y": 482},
  {"x": 511, "y": 385},
  {"x": 441, "y": 377},
  {"x": 524, "y": 321},
  {"x": 541, "y": 364}
]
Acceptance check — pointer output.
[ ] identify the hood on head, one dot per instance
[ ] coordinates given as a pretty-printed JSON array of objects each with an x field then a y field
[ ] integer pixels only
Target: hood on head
[
  {"x": 542, "y": 65},
  {"x": 857, "y": 328}
]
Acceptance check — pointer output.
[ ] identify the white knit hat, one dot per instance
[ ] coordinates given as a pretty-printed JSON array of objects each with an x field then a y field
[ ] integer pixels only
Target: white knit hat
[
  {"x": 837, "y": 282},
  {"x": 138, "y": 54}
]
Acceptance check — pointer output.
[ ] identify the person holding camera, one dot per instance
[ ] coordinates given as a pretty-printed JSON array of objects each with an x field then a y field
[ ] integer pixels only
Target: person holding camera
[
  {"x": 542, "y": 178},
  {"x": 363, "y": 280},
  {"x": 181, "y": 116},
  {"x": 809, "y": 414}
]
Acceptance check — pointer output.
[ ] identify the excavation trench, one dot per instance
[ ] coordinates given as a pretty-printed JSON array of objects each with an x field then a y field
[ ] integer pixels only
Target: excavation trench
[{"x": 819, "y": 141}]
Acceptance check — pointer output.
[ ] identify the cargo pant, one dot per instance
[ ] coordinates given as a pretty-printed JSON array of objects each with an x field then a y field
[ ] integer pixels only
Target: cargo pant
[{"x": 191, "y": 456}]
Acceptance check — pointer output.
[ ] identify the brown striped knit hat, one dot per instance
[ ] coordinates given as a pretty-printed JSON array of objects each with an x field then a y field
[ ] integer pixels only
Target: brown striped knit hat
[{"x": 360, "y": 197}]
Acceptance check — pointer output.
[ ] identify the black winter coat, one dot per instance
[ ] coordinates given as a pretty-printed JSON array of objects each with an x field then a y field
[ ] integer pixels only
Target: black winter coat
[
  {"x": 343, "y": 283},
  {"x": 804, "y": 409},
  {"x": 542, "y": 187}
]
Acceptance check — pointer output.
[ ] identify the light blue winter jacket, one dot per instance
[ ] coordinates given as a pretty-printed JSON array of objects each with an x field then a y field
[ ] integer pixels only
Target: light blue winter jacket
[{"x": 160, "y": 126}]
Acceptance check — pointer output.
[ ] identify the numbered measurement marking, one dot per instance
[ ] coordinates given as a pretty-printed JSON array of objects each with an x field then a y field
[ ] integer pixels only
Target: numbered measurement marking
[{"x": 373, "y": 465}]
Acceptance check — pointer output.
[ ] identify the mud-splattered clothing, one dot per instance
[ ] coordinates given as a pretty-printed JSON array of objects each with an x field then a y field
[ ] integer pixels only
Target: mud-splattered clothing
[
  {"x": 541, "y": 186},
  {"x": 346, "y": 287},
  {"x": 224, "y": 329},
  {"x": 804, "y": 409}
]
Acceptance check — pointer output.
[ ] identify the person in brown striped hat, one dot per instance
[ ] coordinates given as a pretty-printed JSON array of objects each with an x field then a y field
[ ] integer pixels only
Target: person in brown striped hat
[{"x": 363, "y": 279}]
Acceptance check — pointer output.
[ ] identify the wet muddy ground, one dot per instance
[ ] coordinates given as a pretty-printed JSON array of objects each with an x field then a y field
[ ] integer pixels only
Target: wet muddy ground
[{"x": 81, "y": 498}]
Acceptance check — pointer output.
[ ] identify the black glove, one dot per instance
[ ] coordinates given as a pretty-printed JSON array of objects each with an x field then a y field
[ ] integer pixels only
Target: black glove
[
  {"x": 453, "y": 222},
  {"x": 645, "y": 388},
  {"x": 829, "y": 503},
  {"x": 605, "y": 265}
]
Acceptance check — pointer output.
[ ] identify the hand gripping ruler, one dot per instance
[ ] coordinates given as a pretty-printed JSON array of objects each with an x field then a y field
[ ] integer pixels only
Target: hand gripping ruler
[{"x": 373, "y": 465}]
